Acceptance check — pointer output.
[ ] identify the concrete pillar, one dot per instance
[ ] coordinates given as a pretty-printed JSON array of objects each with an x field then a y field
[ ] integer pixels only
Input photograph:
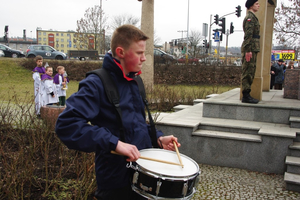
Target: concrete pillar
[
  {"x": 147, "y": 26},
  {"x": 268, "y": 47}
]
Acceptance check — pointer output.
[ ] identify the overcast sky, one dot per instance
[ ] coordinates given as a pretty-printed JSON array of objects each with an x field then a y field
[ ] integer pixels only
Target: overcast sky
[{"x": 170, "y": 16}]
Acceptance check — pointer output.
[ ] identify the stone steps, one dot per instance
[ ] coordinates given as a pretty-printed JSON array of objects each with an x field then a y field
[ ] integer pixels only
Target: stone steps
[
  {"x": 215, "y": 127},
  {"x": 294, "y": 122},
  {"x": 181, "y": 107},
  {"x": 292, "y": 174},
  {"x": 292, "y": 181},
  {"x": 228, "y": 135}
]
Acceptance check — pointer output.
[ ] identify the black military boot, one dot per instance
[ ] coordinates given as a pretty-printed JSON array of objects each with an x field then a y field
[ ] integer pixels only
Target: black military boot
[{"x": 247, "y": 98}]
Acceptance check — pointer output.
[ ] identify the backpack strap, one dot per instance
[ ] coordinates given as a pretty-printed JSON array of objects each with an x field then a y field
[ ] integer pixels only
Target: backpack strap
[
  {"x": 153, "y": 135},
  {"x": 112, "y": 94}
]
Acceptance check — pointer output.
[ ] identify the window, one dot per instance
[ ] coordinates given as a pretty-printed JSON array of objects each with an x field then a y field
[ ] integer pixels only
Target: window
[
  {"x": 61, "y": 34},
  {"x": 57, "y": 39},
  {"x": 40, "y": 33},
  {"x": 44, "y": 39},
  {"x": 62, "y": 45},
  {"x": 44, "y": 33},
  {"x": 57, "y": 34},
  {"x": 62, "y": 40},
  {"x": 47, "y": 48},
  {"x": 40, "y": 39}
]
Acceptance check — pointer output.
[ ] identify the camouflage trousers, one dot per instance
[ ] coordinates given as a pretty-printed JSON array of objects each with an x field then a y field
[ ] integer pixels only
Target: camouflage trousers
[{"x": 248, "y": 71}]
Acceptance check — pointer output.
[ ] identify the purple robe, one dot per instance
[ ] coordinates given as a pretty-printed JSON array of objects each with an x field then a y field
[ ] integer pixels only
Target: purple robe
[
  {"x": 46, "y": 77},
  {"x": 40, "y": 70},
  {"x": 56, "y": 78}
]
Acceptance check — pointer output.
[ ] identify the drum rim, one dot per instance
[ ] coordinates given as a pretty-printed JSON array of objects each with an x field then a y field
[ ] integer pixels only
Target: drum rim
[
  {"x": 164, "y": 175},
  {"x": 148, "y": 195}
]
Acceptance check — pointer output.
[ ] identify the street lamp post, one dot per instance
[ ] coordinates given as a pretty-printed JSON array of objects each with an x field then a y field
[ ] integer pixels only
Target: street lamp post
[{"x": 187, "y": 32}]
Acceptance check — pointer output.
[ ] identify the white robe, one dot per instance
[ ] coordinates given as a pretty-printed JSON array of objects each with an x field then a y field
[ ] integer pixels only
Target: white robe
[
  {"x": 37, "y": 91},
  {"x": 47, "y": 88},
  {"x": 59, "y": 88}
]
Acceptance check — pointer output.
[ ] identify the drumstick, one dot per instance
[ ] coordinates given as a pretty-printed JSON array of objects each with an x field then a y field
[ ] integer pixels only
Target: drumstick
[
  {"x": 152, "y": 159},
  {"x": 178, "y": 153}
]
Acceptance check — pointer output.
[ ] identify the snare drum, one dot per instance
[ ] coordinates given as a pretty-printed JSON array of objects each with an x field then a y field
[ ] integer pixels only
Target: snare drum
[{"x": 156, "y": 180}]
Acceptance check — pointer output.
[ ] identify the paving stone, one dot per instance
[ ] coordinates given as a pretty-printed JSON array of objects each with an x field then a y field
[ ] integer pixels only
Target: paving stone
[{"x": 231, "y": 183}]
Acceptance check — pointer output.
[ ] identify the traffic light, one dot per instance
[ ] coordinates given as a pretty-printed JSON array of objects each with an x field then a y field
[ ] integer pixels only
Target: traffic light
[
  {"x": 6, "y": 29},
  {"x": 205, "y": 43},
  {"x": 222, "y": 24},
  {"x": 221, "y": 37},
  {"x": 238, "y": 11},
  {"x": 216, "y": 19},
  {"x": 231, "y": 28},
  {"x": 214, "y": 33}
]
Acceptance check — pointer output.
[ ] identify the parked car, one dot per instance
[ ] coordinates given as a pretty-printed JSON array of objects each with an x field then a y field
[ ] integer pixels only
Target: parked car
[
  {"x": 2, "y": 53},
  {"x": 163, "y": 57},
  {"x": 191, "y": 60},
  {"x": 9, "y": 52},
  {"x": 45, "y": 51},
  {"x": 210, "y": 61}
]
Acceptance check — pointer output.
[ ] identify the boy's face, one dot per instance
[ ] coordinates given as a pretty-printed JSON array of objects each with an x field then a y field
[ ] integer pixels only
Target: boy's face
[
  {"x": 39, "y": 63},
  {"x": 134, "y": 57},
  {"x": 49, "y": 71},
  {"x": 61, "y": 71}
]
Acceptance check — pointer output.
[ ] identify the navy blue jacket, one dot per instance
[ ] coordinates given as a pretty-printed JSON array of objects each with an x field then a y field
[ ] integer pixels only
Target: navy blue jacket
[{"x": 90, "y": 104}]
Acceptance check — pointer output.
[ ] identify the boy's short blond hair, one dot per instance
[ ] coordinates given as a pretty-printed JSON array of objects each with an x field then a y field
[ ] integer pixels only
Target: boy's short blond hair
[
  {"x": 38, "y": 58},
  {"x": 59, "y": 68},
  {"x": 124, "y": 36},
  {"x": 49, "y": 67}
]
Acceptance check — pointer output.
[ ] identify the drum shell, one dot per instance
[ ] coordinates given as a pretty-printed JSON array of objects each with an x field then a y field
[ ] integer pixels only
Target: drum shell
[{"x": 169, "y": 188}]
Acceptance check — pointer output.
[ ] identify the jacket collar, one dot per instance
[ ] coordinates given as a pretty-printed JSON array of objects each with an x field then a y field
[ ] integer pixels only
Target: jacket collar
[{"x": 113, "y": 65}]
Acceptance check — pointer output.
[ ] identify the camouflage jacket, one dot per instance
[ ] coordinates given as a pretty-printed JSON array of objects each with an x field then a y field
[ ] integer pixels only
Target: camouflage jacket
[{"x": 251, "y": 33}]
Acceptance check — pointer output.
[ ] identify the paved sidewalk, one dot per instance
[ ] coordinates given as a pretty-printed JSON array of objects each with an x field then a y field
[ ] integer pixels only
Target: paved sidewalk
[{"x": 237, "y": 184}]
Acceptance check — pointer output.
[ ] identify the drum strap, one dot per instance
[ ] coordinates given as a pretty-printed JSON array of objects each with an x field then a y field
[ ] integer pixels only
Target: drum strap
[{"x": 112, "y": 94}]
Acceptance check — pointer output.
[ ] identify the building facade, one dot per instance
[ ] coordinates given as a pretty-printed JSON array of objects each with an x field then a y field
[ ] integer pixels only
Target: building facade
[{"x": 64, "y": 40}]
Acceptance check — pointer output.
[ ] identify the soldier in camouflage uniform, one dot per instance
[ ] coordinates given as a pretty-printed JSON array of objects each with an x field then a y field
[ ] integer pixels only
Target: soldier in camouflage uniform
[{"x": 250, "y": 48}]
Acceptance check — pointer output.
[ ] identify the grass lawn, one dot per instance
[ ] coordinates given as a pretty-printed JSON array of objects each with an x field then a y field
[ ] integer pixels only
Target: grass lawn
[{"x": 17, "y": 81}]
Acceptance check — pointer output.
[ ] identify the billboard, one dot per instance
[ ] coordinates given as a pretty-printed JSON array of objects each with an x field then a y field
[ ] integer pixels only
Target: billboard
[{"x": 283, "y": 54}]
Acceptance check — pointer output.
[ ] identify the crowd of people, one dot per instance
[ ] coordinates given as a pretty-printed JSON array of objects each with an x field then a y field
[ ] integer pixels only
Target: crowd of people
[
  {"x": 48, "y": 90},
  {"x": 277, "y": 72}
]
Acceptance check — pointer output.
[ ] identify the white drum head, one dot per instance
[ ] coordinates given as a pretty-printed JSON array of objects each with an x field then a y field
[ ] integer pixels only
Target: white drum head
[{"x": 190, "y": 166}]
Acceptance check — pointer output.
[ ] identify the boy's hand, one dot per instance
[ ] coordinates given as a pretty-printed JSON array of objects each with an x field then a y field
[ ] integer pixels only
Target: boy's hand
[
  {"x": 128, "y": 150},
  {"x": 167, "y": 142}
]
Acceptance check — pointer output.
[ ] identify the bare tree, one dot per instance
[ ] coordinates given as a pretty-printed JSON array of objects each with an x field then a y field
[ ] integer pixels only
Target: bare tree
[
  {"x": 194, "y": 39},
  {"x": 88, "y": 34},
  {"x": 287, "y": 23},
  {"x": 156, "y": 39},
  {"x": 120, "y": 20}
]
